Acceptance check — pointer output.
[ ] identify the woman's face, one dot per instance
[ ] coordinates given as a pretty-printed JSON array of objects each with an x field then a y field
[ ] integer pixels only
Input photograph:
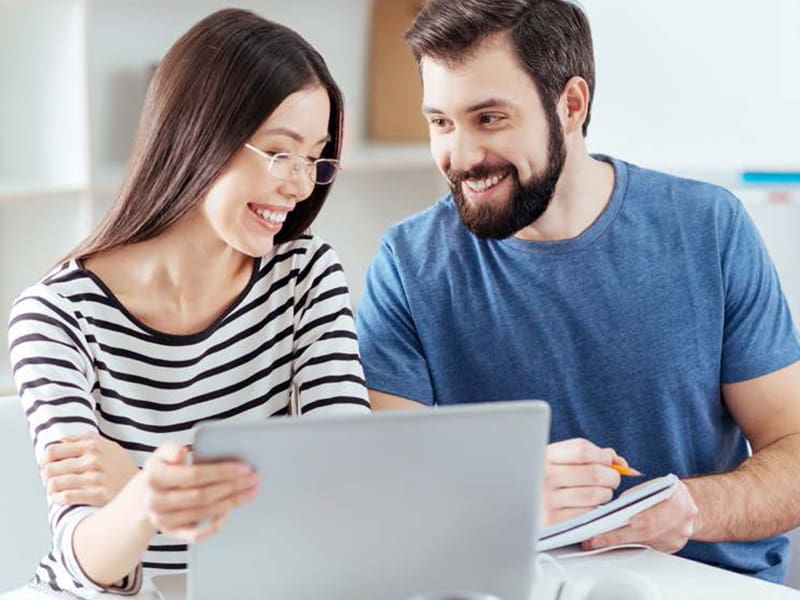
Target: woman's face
[{"x": 247, "y": 205}]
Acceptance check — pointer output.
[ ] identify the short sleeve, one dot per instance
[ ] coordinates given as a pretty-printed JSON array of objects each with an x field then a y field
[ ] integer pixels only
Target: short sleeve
[
  {"x": 392, "y": 354},
  {"x": 327, "y": 369},
  {"x": 759, "y": 335}
]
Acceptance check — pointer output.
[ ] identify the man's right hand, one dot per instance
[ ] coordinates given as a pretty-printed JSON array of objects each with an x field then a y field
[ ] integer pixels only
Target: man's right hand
[{"x": 578, "y": 477}]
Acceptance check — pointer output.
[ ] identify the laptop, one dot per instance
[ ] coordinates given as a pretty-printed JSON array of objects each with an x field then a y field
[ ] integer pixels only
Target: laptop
[{"x": 386, "y": 506}]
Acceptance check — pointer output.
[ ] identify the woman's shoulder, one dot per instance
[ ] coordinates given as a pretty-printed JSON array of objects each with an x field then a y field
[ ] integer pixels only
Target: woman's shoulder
[
  {"x": 305, "y": 243},
  {"x": 304, "y": 251},
  {"x": 300, "y": 264},
  {"x": 52, "y": 302},
  {"x": 58, "y": 288}
]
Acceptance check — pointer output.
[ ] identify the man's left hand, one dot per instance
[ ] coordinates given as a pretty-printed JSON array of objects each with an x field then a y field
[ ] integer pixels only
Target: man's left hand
[{"x": 666, "y": 526}]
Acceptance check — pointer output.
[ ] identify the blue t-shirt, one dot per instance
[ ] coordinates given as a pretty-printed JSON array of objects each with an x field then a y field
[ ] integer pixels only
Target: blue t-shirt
[{"x": 627, "y": 330}]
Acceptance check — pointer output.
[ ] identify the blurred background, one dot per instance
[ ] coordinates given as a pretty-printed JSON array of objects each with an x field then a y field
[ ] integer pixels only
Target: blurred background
[
  {"x": 700, "y": 88},
  {"x": 706, "y": 89}
]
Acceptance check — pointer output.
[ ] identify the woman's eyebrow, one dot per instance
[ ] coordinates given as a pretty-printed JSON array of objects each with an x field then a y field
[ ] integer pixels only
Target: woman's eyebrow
[{"x": 290, "y": 133}]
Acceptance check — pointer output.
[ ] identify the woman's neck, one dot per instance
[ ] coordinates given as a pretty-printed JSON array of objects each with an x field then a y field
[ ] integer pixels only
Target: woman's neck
[{"x": 177, "y": 282}]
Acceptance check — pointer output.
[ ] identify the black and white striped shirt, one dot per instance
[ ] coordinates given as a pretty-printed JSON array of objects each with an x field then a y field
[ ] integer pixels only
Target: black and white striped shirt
[{"x": 82, "y": 363}]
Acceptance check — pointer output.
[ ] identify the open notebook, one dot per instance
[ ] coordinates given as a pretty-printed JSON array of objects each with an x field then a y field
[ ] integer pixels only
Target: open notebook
[{"x": 612, "y": 515}]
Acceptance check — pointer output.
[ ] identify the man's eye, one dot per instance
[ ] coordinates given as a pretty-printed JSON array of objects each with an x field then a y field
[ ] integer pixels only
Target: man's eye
[
  {"x": 490, "y": 119},
  {"x": 438, "y": 122}
]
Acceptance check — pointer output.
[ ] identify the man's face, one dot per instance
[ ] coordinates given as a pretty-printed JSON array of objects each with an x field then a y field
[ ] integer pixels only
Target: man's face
[{"x": 501, "y": 150}]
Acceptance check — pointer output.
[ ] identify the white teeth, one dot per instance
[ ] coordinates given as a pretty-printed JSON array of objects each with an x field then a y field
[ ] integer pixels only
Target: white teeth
[
  {"x": 271, "y": 215},
  {"x": 480, "y": 185}
]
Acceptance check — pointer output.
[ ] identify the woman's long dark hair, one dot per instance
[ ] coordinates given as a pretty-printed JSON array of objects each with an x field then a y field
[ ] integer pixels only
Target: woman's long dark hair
[{"x": 212, "y": 90}]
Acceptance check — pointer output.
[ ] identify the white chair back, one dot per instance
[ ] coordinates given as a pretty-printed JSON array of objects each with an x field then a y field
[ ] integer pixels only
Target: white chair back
[{"x": 24, "y": 533}]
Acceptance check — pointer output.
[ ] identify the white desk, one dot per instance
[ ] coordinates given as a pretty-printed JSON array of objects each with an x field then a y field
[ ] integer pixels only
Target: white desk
[{"x": 675, "y": 578}]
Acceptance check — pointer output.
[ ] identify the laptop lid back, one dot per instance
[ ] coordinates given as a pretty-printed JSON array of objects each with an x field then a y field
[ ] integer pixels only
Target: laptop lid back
[{"x": 383, "y": 506}]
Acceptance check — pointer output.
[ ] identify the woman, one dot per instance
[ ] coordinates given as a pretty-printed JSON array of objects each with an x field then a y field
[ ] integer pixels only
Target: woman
[{"x": 199, "y": 297}]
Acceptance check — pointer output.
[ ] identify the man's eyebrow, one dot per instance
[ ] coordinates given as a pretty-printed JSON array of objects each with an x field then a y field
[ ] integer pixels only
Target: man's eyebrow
[
  {"x": 490, "y": 103},
  {"x": 290, "y": 133}
]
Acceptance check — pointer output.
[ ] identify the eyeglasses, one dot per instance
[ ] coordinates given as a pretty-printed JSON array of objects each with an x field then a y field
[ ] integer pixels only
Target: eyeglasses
[{"x": 285, "y": 166}]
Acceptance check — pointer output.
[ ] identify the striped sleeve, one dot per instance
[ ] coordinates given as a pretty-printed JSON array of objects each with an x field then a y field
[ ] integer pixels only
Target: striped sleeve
[
  {"x": 327, "y": 368},
  {"x": 54, "y": 375}
]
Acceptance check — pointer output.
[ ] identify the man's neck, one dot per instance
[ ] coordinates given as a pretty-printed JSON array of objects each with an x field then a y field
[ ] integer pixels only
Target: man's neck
[{"x": 581, "y": 196}]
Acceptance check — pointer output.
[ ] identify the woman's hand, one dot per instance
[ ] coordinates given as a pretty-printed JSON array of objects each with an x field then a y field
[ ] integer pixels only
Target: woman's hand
[
  {"x": 190, "y": 502},
  {"x": 86, "y": 469}
]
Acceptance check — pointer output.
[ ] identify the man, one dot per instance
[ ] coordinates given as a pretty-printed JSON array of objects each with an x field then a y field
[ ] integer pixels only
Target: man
[{"x": 642, "y": 307}]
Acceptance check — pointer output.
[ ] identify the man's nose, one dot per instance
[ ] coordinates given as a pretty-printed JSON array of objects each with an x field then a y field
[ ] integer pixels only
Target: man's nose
[{"x": 466, "y": 152}]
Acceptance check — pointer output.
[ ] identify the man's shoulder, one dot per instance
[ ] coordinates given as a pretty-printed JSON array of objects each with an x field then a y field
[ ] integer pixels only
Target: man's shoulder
[
  {"x": 422, "y": 247},
  {"x": 689, "y": 191},
  {"x": 426, "y": 230},
  {"x": 680, "y": 197}
]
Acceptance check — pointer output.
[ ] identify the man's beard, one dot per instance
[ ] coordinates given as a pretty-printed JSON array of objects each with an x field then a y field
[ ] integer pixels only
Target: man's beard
[{"x": 526, "y": 202}]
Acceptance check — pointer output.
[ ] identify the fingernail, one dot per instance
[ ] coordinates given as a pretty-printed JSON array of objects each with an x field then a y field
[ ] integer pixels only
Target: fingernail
[
  {"x": 244, "y": 470},
  {"x": 598, "y": 543}
]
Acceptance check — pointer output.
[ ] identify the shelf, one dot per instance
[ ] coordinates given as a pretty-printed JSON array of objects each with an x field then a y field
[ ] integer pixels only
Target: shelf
[
  {"x": 364, "y": 158},
  {"x": 370, "y": 157},
  {"x": 6, "y": 381},
  {"x": 12, "y": 190},
  {"x": 108, "y": 180},
  {"x": 751, "y": 194},
  {"x": 762, "y": 196}
]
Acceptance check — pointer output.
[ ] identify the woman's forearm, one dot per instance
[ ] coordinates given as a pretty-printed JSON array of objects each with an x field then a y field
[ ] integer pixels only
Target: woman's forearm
[{"x": 110, "y": 543}]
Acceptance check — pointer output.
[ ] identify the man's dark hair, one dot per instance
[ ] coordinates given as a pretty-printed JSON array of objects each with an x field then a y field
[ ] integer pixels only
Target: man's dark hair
[{"x": 552, "y": 38}]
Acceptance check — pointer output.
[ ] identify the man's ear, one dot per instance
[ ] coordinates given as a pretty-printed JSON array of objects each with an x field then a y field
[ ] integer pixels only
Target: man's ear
[{"x": 574, "y": 105}]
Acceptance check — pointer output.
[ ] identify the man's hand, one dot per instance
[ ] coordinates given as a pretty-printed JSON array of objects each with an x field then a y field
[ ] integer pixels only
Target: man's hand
[
  {"x": 578, "y": 477},
  {"x": 666, "y": 526},
  {"x": 86, "y": 469}
]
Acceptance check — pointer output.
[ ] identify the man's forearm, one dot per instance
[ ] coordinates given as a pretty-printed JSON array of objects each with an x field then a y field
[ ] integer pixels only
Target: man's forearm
[
  {"x": 110, "y": 543},
  {"x": 757, "y": 500}
]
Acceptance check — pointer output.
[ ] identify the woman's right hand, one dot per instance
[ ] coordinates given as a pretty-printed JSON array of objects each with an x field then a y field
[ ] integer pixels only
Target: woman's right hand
[{"x": 190, "y": 502}]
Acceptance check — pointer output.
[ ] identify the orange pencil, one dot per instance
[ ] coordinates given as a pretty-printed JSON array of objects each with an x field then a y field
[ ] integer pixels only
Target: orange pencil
[{"x": 624, "y": 470}]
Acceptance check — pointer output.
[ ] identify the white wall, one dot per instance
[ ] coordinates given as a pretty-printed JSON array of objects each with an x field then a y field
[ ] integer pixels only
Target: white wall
[
  {"x": 698, "y": 85},
  {"x": 706, "y": 89},
  {"x": 703, "y": 88}
]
